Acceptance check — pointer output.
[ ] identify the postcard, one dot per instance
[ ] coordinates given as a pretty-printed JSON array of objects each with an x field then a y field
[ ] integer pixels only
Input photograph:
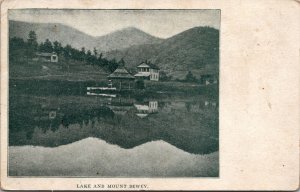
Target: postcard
[{"x": 132, "y": 95}]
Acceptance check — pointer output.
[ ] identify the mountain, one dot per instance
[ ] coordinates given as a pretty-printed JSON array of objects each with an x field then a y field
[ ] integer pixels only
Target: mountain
[
  {"x": 193, "y": 49},
  {"x": 51, "y": 31},
  {"x": 120, "y": 39},
  {"x": 196, "y": 49},
  {"x": 125, "y": 38}
]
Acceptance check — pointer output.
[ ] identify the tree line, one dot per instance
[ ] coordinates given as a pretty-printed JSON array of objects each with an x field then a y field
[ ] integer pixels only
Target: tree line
[{"x": 20, "y": 48}]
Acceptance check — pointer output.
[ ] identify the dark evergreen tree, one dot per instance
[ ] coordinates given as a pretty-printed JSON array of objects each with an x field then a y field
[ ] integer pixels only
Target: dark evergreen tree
[
  {"x": 32, "y": 40},
  {"x": 112, "y": 65},
  {"x": 89, "y": 57},
  {"x": 31, "y": 44},
  {"x": 82, "y": 54},
  {"x": 48, "y": 46},
  {"x": 67, "y": 52},
  {"x": 57, "y": 47},
  {"x": 100, "y": 56},
  {"x": 41, "y": 47},
  {"x": 95, "y": 52}
]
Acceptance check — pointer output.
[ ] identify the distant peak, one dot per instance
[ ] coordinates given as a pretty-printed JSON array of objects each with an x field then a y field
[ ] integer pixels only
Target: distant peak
[{"x": 131, "y": 29}]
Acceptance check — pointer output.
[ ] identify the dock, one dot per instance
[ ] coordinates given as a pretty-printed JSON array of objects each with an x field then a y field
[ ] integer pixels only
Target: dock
[{"x": 102, "y": 88}]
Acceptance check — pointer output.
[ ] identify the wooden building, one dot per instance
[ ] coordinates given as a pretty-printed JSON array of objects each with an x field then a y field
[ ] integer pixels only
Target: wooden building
[
  {"x": 148, "y": 71},
  {"x": 46, "y": 57},
  {"x": 121, "y": 79}
]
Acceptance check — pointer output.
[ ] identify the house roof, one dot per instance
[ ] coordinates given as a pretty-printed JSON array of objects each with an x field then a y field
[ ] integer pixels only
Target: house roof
[
  {"x": 121, "y": 73},
  {"x": 143, "y": 65},
  {"x": 150, "y": 65},
  {"x": 45, "y": 54},
  {"x": 141, "y": 75}
]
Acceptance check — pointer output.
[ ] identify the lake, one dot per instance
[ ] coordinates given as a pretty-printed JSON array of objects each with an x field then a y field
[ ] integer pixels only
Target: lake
[{"x": 59, "y": 129}]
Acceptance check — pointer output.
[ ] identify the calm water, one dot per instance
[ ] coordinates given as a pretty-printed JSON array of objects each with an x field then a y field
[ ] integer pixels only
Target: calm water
[{"x": 63, "y": 131}]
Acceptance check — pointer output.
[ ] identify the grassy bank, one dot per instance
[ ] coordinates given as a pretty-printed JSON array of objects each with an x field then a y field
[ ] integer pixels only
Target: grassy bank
[{"x": 62, "y": 70}]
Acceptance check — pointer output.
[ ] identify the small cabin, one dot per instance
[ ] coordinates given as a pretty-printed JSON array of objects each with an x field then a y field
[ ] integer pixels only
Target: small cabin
[
  {"x": 148, "y": 71},
  {"x": 47, "y": 57},
  {"x": 121, "y": 79}
]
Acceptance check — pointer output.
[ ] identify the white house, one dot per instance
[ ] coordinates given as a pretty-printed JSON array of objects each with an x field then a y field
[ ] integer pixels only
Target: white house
[
  {"x": 47, "y": 57},
  {"x": 147, "y": 71}
]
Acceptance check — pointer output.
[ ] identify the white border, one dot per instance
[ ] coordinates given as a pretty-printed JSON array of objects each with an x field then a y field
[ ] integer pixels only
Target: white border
[{"x": 259, "y": 96}]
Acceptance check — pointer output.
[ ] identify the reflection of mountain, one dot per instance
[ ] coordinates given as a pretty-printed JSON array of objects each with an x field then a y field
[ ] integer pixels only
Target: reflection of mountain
[
  {"x": 110, "y": 160},
  {"x": 188, "y": 126}
]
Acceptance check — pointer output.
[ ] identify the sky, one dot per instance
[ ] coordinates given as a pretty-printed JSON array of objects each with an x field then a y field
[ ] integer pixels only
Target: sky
[{"x": 159, "y": 23}]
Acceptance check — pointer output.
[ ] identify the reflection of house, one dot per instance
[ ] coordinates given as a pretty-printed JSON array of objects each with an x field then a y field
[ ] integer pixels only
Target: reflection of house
[
  {"x": 210, "y": 103},
  {"x": 144, "y": 110},
  {"x": 209, "y": 78},
  {"x": 120, "y": 105},
  {"x": 121, "y": 79},
  {"x": 121, "y": 109},
  {"x": 148, "y": 71},
  {"x": 47, "y": 57}
]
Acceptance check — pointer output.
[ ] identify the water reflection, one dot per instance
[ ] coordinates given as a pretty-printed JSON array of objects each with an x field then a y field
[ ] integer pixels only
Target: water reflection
[
  {"x": 144, "y": 109},
  {"x": 96, "y": 157},
  {"x": 189, "y": 124}
]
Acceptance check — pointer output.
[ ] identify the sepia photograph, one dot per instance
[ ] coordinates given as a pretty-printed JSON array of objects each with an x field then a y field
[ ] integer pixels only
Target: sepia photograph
[
  {"x": 113, "y": 93},
  {"x": 132, "y": 95}
]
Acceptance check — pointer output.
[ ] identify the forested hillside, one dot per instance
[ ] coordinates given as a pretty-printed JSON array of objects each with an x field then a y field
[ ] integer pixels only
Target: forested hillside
[{"x": 189, "y": 50}]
